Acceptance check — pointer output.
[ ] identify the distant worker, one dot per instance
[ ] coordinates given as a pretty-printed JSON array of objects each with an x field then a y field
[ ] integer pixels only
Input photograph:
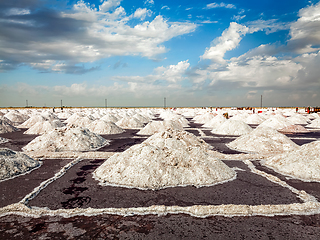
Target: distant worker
[
  {"x": 53, "y": 109},
  {"x": 297, "y": 109}
]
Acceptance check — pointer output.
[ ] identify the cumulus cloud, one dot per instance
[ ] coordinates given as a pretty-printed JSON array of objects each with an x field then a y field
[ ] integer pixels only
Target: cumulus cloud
[
  {"x": 82, "y": 34},
  {"x": 220, "y": 5},
  {"x": 305, "y": 32},
  {"x": 229, "y": 40},
  {"x": 170, "y": 74}
]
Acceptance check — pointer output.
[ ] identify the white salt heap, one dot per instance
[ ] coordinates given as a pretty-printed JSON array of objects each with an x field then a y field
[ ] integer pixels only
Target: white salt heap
[
  {"x": 302, "y": 163},
  {"x": 110, "y": 118},
  {"x": 204, "y": 118},
  {"x": 294, "y": 129},
  {"x": 6, "y": 127},
  {"x": 298, "y": 119},
  {"x": 315, "y": 123},
  {"x": 166, "y": 159},
  {"x": 44, "y": 127},
  {"x": 130, "y": 123},
  {"x": 13, "y": 163},
  {"x": 16, "y": 117},
  {"x": 103, "y": 127},
  {"x": 276, "y": 122},
  {"x": 81, "y": 121},
  {"x": 263, "y": 140},
  {"x": 232, "y": 127},
  {"x": 215, "y": 122},
  {"x": 32, "y": 121},
  {"x": 254, "y": 119},
  {"x": 159, "y": 126},
  {"x": 67, "y": 139}
]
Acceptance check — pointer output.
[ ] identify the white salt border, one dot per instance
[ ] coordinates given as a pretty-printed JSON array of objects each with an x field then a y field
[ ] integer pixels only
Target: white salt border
[{"x": 44, "y": 184}]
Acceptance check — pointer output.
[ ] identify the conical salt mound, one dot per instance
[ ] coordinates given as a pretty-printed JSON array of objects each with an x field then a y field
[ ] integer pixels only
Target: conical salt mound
[
  {"x": 32, "y": 121},
  {"x": 204, "y": 118},
  {"x": 67, "y": 139},
  {"x": 44, "y": 127},
  {"x": 172, "y": 138},
  {"x": 14, "y": 163},
  {"x": 302, "y": 163},
  {"x": 167, "y": 162},
  {"x": 263, "y": 140},
  {"x": 130, "y": 123},
  {"x": 294, "y": 129},
  {"x": 6, "y": 127},
  {"x": 102, "y": 127},
  {"x": 16, "y": 118},
  {"x": 254, "y": 119},
  {"x": 215, "y": 122},
  {"x": 232, "y": 127},
  {"x": 315, "y": 123},
  {"x": 81, "y": 121},
  {"x": 109, "y": 118},
  {"x": 159, "y": 126},
  {"x": 277, "y": 122}
]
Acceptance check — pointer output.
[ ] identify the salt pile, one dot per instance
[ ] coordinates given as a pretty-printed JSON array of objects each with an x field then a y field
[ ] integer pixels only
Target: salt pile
[
  {"x": 32, "y": 121},
  {"x": 110, "y": 118},
  {"x": 67, "y": 139},
  {"x": 166, "y": 159},
  {"x": 232, "y": 127},
  {"x": 103, "y": 127},
  {"x": 16, "y": 118},
  {"x": 302, "y": 163},
  {"x": 263, "y": 140},
  {"x": 81, "y": 121},
  {"x": 13, "y": 163},
  {"x": 315, "y": 123},
  {"x": 254, "y": 119},
  {"x": 276, "y": 122},
  {"x": 159, "y": 126},
  {"x": 6, "y": 127},
  {"x": 130, "y": 123},
  {"x": 203, "y": 118},
  {"x": 215, "y": 122},
  {"x": 298, "y": 119},
  {"x": 294, "y": 129},
  {"x": 44, "y": 127}
]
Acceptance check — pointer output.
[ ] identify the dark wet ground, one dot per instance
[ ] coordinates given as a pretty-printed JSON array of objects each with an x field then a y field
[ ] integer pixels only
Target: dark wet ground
[
  {"x": 77, "y": 188},
  {"x": 17, "y": 139}
]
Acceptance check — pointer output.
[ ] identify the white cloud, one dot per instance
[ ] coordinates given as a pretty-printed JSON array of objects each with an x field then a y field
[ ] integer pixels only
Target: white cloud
[
  {"x": 220, "y": 5},
  {"x": 142, "y": 13},
  {"x": 270, "y": 26},
  {"x": 88, "y": 34},
  {"x": 149, "y": 2},
  {"x": 165, "y": 7},
  {"x": 229, "y": 40},
  {"x": 305, "y": 32},
  {"x": 17, "y": 11},
  {"x": 170, "y": 74}
]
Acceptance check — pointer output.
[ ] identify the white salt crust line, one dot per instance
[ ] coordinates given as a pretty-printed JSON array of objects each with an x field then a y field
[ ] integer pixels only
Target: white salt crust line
[
  {"x": 301, "y": 194},
  {"x": 44, "y": 184},
  {"x": 308, "y": 208},
  {"x": 69, "y": 155}
]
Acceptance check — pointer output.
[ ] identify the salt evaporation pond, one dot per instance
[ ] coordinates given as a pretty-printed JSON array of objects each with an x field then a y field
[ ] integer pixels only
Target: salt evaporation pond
[
  {"x": 166, "y": 159},
  {"x": 13, "y": 163}
]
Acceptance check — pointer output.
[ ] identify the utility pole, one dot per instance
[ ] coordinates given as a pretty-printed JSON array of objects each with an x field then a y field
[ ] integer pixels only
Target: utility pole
[
  {"x": 261, "y": 102},
  {"x": 106, "y": 103},
  {"x": 164, "y": 102}
]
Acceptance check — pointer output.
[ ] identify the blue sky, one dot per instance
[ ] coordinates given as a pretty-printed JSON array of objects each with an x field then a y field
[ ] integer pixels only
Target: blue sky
[{"x": 135, "y": 53}]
